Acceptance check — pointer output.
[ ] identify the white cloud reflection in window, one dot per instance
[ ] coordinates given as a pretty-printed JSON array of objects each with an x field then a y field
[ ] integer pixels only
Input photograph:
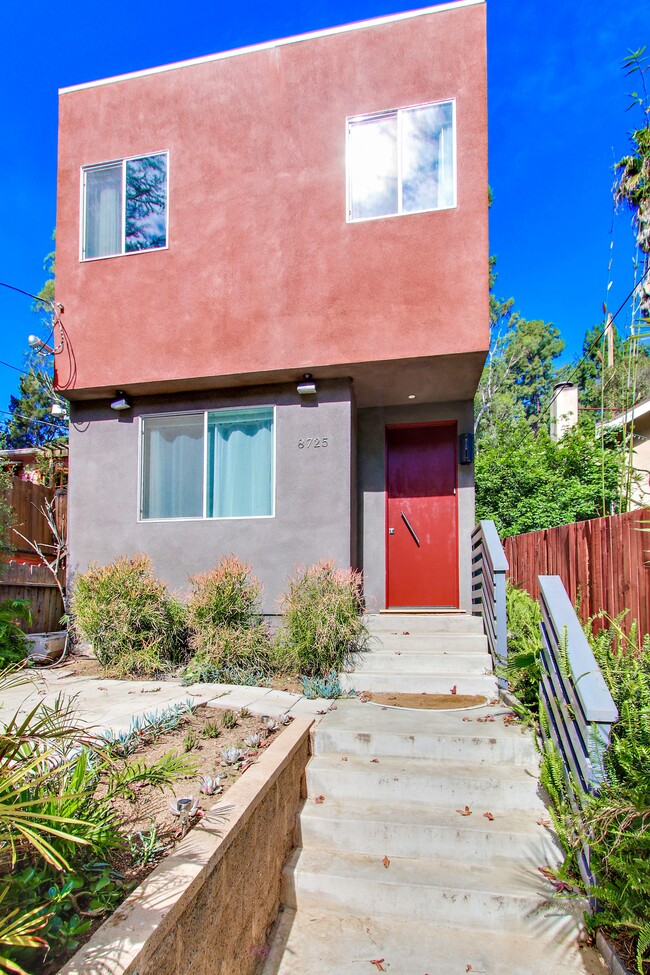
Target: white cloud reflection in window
[{"x": 401, "y": 162}]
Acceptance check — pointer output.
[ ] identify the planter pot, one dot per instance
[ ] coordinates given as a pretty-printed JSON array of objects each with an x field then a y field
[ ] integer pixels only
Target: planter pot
[{"x": 46, "y": 648}]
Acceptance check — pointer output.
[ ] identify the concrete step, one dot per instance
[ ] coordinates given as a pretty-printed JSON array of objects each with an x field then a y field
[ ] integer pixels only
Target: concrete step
[
  {"x": 420, "y": 683},
  {"x": 496, "y": 894},
  {"x": 497, "y": 789},
  {"x": 314, "y": 942},
  {"x": 424, "y": 623},
  {"x": 450, "y": 643},
  {"x": 438, "y": 736},
  {"x": 405, "y": 661},
  {"x": 423, "y": 831}
]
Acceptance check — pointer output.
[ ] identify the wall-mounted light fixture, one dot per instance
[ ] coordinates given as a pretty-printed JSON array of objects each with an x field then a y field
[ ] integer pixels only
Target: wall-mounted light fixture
[
  {"x": 306, "y": 387},
  {"x": 58, "y": 409},
  {"x": 38, "y": 345},
  {"x": 466, "y": 448},
  {"x": 121, "y": 401}
]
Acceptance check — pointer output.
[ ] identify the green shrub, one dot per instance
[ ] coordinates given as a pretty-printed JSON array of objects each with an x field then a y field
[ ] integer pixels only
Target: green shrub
[
  {"x": 226, "y": 597},
  {"x": 522, "y": 669},
  {"x": 134, "y": 625},
  {"x": 233, "y": 655},
  {"x": 323, "y": 626},
  {"x": 13, "y": 644}
]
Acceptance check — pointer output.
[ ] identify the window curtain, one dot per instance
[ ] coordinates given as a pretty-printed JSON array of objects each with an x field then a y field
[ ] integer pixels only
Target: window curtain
[
  {"x": 103, "y": 229},
  {"x": 241, "y": 463},
  {"x": 173, "y": 467}
]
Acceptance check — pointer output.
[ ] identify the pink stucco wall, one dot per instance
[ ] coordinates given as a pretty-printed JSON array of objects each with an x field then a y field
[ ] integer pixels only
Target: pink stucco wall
[{"x": 262, "y": 271}]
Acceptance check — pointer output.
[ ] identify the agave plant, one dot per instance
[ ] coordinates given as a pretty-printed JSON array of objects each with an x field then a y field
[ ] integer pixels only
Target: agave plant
[
  {"x": 232, "y": 755},
  {"x": 211, "y": 785}
]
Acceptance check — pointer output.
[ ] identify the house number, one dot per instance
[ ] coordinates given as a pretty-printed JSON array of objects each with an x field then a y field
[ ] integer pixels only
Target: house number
[{"x": 312, "y": 442}]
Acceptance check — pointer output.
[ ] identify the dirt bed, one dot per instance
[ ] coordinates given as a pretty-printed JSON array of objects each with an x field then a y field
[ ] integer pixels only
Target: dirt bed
[{"x": 426, "y": 702}]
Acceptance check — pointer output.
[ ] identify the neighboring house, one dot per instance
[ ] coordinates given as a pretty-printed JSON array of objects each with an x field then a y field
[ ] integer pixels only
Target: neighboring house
[
  {"x": 636, "y": 422},
  {"x": 274, "y": 268},
  {"x": 40, "y": 465}
]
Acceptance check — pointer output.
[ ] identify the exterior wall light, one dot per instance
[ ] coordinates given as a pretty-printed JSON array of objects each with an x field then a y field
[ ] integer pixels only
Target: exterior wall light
[
  {"x": 122, "y": 401},
  {"x": 306, "y": 387},
  {"x": 39, "y": 345},
  {"x": 466, "y": 448},
  {"x": 58, "y": 409}
]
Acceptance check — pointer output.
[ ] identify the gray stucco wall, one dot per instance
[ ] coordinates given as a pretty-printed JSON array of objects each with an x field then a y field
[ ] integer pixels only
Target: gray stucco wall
[
  {"x": 313, "y": 498},
  {"x": 371, "y": 476}
]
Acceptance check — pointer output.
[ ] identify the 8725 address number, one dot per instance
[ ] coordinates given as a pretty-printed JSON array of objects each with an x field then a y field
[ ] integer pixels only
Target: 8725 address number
[{"x": 307, "y": 442}]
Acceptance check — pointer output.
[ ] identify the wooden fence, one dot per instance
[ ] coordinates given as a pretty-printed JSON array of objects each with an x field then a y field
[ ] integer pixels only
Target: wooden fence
[
  {"x": 604, "y": 564},
  {"x": 24, "y": 576}
]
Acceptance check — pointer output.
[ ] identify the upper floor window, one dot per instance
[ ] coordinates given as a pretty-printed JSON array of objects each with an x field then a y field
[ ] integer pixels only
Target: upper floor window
[
  {"x": 125, "y": 206},
  {"x": 401, "y": 161}
]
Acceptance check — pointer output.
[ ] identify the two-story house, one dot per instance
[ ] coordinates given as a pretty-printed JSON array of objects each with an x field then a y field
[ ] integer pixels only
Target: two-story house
[{"x": 274, "y": 268}]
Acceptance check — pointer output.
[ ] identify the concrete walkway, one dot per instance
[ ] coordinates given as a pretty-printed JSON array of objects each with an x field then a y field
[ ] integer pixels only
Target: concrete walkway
[
  {"x": 113, "y": 704},
  {"x": 422, "y": 836}
]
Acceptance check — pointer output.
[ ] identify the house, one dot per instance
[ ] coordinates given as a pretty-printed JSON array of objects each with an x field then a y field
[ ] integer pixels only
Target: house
[
  {"x": 634, "y": 425},
  {"x": 47, "y": 464},
  {"x": 274, "y": 268}
]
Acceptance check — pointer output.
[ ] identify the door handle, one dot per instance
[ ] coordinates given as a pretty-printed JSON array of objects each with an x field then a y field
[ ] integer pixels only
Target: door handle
[{"x": 411, "y": 529}]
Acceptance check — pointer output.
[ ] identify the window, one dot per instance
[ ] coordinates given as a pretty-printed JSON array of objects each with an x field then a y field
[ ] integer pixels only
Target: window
[
  {"x": 217, "y": 464},
  {"x": 401, "y": 162},
  {"x": 125, "y": 206}
]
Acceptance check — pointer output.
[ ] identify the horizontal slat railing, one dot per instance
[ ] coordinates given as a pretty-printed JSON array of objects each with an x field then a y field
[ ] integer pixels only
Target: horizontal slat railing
[
  {"x": 489, "y": 568},
  {"x": 577, "y": 706}
]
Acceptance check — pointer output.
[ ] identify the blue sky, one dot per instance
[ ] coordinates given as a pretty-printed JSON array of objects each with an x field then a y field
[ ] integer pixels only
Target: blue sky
[{"x": 557, "y": 109}]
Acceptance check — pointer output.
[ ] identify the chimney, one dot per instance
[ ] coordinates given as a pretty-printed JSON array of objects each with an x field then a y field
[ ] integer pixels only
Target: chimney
[{"x": 564, "y": 409}]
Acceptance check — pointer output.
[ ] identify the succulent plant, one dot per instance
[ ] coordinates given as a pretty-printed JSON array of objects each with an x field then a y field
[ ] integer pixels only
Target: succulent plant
[
  {"x": 211, "y": 784},
  {"x": 253, "y": 741},
  {"x": 232, "y": 755},
  {"x": 269, "y": 724}
]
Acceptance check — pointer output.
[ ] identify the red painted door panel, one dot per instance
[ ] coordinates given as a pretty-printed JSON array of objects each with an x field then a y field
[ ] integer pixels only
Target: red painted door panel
[{"x": 422, "y": 516}]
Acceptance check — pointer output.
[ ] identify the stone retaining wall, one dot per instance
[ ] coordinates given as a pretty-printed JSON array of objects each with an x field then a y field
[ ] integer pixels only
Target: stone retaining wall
[{"x": 207, "y": 908}]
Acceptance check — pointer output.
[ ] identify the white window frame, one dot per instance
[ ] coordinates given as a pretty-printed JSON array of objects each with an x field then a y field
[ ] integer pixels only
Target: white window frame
[
  {"x": 398, "y": 114},
  {"x": 82, "y": 206},
  {"x": 204, "y": 516}
]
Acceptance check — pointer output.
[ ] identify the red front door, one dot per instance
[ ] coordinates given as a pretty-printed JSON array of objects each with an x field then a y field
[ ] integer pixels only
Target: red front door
[{"x": 421, "y": 515}]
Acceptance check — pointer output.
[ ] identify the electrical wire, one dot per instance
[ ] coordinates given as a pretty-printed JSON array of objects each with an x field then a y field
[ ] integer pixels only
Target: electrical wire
[
  {"x": 32, "y": 419},
  {"x": 28, "y": 294}
]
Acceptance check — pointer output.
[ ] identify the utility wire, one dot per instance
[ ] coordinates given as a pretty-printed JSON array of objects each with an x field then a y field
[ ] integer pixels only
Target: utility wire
[
  {"x": 28, "y": 294},
  {"x": 31, "y": 419}
]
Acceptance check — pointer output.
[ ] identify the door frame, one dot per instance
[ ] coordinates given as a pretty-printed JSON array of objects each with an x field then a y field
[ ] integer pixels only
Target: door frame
[{"x": 410, "y": 426}]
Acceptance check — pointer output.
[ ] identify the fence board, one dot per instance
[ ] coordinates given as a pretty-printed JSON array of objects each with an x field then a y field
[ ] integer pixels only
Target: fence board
[
  {"x": 604, "y": 564},
  {"x": 24, "y": 576}
]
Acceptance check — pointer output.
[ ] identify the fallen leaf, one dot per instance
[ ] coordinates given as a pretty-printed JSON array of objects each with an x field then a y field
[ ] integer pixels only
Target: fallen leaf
[
  {"x": 561, "y": 887},
  {"x": 468, "y": 719},
  {"x": 488, "y": 815},
  {"x": 378, "y": 964},
  {"x": 319, "y": 799},
  {"x": 375, "y": 761},
  {"x": 398, "y": 653},
  {"x": 453, "y": 690},
  {"x": 386, "y": 862},
  {"x": 344, "y": 758},
  {"x": 468, "y": 968},
  {"x": 543, "y": 822},
  {"x": 321, "y": 712},
  {"x": 405, "y": 633},
  {"x": 363, "y": 698},
  {"x": 465, "y": 812},
  {"x": 547, "y": 872}
]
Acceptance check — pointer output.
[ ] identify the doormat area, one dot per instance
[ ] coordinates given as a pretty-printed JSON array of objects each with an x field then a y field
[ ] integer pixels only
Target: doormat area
[{"x": 426, "y": 702}]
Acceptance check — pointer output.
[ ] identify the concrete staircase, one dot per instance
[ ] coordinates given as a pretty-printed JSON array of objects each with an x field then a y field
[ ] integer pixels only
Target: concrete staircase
[
  {"x": 424, "y": 653},
  {"x": 389, "y": 873}
]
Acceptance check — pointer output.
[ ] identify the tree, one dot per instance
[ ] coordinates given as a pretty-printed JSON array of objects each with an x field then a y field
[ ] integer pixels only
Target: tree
[
  {"x": 526, "y": 481},
  {"x": 31, "y": 423},
  {"x": 520, "y": 369}
]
